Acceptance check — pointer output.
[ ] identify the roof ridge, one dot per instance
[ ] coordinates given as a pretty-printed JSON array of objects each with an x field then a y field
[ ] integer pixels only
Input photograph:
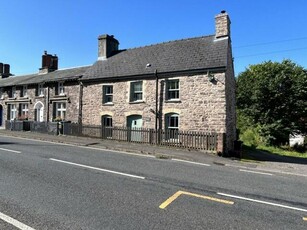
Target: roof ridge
[{"x": 167, "y": 42}]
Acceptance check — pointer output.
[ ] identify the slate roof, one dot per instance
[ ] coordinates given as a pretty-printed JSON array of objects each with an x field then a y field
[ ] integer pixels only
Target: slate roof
[
  {"x": 193, "y": 54},
  {"x": 175, "y": 56},
  {"x": 61, "y": 74}
]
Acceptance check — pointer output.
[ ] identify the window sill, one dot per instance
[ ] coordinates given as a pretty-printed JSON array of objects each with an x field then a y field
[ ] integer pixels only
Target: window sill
[
  {"x": 173, "y": 101},
  {"x": 40, "y": 96},
  {"x": 136, "y": 102},
  {"x": 108, "y": 104}
]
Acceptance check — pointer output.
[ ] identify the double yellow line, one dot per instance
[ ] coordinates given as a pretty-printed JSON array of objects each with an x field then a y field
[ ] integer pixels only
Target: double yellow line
[{"x": 179, "y": 193}]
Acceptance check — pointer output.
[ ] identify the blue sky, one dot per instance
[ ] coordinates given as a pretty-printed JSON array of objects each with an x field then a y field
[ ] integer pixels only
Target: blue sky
[{"x": 261, "y": 30}]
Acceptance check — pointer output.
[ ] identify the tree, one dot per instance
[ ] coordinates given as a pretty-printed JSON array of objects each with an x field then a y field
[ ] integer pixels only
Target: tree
[{"x": 272, "y": 96}]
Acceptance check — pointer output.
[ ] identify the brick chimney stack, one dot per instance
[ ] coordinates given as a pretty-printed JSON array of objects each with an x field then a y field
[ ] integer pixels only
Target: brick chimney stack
[
  {"x": 49, "y": 63},
  {"x": 107, "y": 45},
  {"x": 222, "y": 25},
  {"x": 4, "y": 70}
]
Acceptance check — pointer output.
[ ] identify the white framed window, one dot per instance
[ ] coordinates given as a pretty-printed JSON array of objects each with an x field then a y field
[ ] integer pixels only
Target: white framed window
[
  {"x": 61, "y": 89},
  {"x": 13, "y": 112},
  {"x": 25, "y": 91},
  {"x": 136, "y": 91},
  {"x": 172, "y": 89},
  {"x": 23, "y": 111},
  {"x": 60, "y": 110},
  {"x": 14, "y": 92},
  {"x": 107, "y": 94},
  {"x": 40, "y": 90},
  {"x": 172, "y": 125}
]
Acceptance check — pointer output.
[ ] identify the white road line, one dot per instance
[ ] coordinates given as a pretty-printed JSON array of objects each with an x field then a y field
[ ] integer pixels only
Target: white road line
[
  {"x": 14, "y": 222},
  {"x": 99, "y": 169},
  {"x": 85, "y": 147},
  {"x": 190, "y": 162},
  {"x": 262, "y": 173},
  {"x": 9, "y": 150},
  {"x": 262, "y": 202}
]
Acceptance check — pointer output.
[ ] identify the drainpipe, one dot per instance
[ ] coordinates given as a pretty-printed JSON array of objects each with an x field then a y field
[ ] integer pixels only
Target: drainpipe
[
  {"x": 47, "y": 104},
  {"x": 157, "y": 112},
  {"x": 80, "y": 102}
]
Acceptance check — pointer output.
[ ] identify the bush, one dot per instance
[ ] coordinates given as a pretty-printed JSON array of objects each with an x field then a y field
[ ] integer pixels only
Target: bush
[{"x": 251, "y": 137}]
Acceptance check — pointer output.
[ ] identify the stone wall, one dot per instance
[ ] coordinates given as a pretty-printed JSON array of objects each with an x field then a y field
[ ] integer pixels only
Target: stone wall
[
  {"x": 72, "y": 104},
  {"x": 202, "y": 104},
  {"x": 231, "y": 135}
]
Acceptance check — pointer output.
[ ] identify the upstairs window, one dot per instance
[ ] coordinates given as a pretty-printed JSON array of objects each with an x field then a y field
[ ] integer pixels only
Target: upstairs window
[
  {"x": 136, "y": 91},
  {"x": 107, "y": 94},
  {"x": 24, "y": 92},
  {"x": 172, "y": 89},
  {"x": 40, "y": 90},
  {"x": 14, "y": 92},
  {"x": 61, "y": 88}
]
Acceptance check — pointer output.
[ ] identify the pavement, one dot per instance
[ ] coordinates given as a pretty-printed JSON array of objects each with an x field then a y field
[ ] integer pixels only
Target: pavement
[{"x": 265, "y": 162}]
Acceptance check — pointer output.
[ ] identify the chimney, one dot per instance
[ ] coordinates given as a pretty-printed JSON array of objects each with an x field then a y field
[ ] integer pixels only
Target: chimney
[
  {"x": 49, "y": 63},
  {"x": 222, "y": 25},
  {"x": 107, "y": 45},
  {"x": 4, "y": 70}
]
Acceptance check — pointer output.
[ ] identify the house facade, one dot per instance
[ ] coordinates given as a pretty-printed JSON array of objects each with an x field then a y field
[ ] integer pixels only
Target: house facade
[
  {"x": 47, "y": 95},
  {"x": 185, "y": 84}
]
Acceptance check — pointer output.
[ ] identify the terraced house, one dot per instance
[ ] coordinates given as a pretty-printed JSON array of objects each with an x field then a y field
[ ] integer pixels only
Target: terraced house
[{"x": 182, "y": 85}]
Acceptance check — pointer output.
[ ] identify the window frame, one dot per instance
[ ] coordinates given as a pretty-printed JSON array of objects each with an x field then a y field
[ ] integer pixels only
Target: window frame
[
  {"x": 107, "y": 94},
  {"x": 61, "y": 88},
  {"x": 61, "y": 110},
  {"x": 170, "y": 90},
  {"x": 40, "y": 90},
  {"x": 24, "y": 91},
  {"x": 134, "y": 93},
  {"x": 14, "y": 92},
  {"x": 107, "y": 126},
  {"x": 13, "y": 112},
  {"x": 172, "y": 135}
]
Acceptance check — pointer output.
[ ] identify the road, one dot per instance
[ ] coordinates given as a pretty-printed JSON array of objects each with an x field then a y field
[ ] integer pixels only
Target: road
[{"x": 46, "y": 185}]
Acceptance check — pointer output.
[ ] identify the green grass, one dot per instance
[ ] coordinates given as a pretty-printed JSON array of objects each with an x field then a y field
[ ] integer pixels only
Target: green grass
[{"x": 281, "y": 151}]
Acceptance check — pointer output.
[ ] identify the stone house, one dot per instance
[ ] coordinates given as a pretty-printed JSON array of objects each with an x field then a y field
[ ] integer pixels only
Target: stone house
[
  {"x": 47, "y": 95},
  {"x": 185, "y": 84}
]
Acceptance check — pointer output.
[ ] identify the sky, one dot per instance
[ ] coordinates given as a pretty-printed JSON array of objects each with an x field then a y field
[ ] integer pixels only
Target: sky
[{"x": 261, "y": 30}]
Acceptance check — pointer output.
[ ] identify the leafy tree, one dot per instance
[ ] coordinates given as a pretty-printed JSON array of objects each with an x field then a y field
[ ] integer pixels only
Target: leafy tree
[{"x": 272, "y": 96}]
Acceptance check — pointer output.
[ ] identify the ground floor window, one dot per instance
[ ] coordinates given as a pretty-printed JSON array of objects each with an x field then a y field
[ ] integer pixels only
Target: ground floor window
[
  {"x": 24, "y": 111},
  {"x": 172, "y": 125},
  {"x": 39, "y": 112},
  {"x": 107, "y": 124},
  {"x": 13, "y": 112},
  {"x": 60, "y": 110}
]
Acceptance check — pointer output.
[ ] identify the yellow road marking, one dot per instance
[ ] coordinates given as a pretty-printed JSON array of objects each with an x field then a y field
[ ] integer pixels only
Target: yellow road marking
[
  {"x": 305, "y": 218},
  {"x": 177, "y": 194}
]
